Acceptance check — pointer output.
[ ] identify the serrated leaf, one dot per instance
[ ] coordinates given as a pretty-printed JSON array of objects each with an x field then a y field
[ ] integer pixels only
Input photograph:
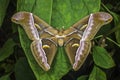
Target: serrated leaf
[
  {"x": 102, "y": 58},
  {"x": 97, "y": 74},
  {"x": 3, "y": 8},
  {"x": 5, "y": 77},
  {"x": 7, "y": 49},
  {"x": 23, "y": 70},
  {"x": 57, "y": 13},
  {"x": 84, "y": 77}
]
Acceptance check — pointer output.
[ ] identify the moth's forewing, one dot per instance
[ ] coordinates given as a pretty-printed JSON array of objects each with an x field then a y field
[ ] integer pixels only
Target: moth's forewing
[
  {"x": 39, "y": 21},
  {"x": 38, "y": 31},
  {"x": 81, "y": 24},
  {"x": 96, "y": 20},
  {"x": 25, "y": 19}
]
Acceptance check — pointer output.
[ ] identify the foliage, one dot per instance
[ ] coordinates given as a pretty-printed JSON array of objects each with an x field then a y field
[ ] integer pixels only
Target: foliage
[{"x": 102, "y": 62}]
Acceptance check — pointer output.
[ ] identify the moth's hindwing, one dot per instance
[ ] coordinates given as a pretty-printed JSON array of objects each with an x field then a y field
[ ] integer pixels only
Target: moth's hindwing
[
  {"x": 39, "y": 54},
  {"x": 81, "y": 54},
  {"x": 50, "y": 49},
  {"x": 71, "y": 48},
  {"x": 72, "y": 40}
]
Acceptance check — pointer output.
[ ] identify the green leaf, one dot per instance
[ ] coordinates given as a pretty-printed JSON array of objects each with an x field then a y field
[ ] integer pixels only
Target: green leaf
[
  {"x": 97, "y": 74},
  {"x": 84, "y": 77},
  {"x": 23, "y": 70},
  {"x": 102, "y": 58},
  {"x": 116, "y": 19},
  {"x": 3, "y": 8},
  {"x": 117, "y": 33},
  {"x": 67, "y": 12},
  {"x": 5, "y": 77},
  {"x": 57, "y": 13},
  {"x": 7, "y": 49},
  {"x": 7, "y": 67}
]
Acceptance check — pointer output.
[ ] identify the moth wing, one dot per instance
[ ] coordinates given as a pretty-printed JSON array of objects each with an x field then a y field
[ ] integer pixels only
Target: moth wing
[
  {"x": 81, "y": 24},
  {"x": 73, "y": 37},
  {"x": 39, "y": 54},
  {"x": 46, "y": 34},
  {"x": 42, "y": 26},
  {"x": 71, "y": 48},
  {"x": 72, "y": 40},
  {"x": 95, "y": 22},
  {"x": 50, "y": 48},
  {"x": 26, "y": 20}
]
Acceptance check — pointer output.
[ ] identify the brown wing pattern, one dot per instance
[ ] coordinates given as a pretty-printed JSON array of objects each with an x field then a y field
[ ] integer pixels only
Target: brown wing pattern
[{"x": 76, "y": 39}]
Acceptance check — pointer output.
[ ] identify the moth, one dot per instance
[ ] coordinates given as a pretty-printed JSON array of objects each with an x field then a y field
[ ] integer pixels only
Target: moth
[{"x": 76, "y": 40}]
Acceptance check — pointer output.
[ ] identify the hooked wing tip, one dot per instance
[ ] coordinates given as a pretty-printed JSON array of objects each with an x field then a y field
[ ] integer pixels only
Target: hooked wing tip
[
  {"x": 17, "y": 17},
  {"x": 103, "y": 16},
  {"x": 20, "y": 16}
]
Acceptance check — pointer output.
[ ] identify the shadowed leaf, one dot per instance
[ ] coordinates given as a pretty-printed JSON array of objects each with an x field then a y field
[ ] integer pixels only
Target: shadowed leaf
[
  {"x": 7, "y": 49},
  {"x": 102, "y": 58},
  {"x": 3, "y": 8},
  {"x": 5, "y": 77},
  {"x": 23, "y": 71},
  {"x": 97, "y": 74}
]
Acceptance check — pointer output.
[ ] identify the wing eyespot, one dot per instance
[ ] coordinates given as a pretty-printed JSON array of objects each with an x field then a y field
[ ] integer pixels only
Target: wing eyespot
[
  {"x": 75, "y": 45},
  {"x": 45, "y": 46}
]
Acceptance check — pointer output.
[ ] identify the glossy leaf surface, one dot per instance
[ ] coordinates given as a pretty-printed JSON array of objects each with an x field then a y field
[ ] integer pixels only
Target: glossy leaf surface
[{"x": 57, "y": 13}]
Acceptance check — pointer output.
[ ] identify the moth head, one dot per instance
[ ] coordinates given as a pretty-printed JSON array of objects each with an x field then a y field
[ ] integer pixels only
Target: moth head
[
  {"x": 103, "y": 17},
  {"x": 20, "y": 17}
]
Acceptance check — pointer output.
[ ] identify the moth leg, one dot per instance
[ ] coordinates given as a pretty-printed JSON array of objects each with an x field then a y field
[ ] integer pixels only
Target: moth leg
[
  {"x": 81, "y": 54},
  {"x": 39, "y": 54}
]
